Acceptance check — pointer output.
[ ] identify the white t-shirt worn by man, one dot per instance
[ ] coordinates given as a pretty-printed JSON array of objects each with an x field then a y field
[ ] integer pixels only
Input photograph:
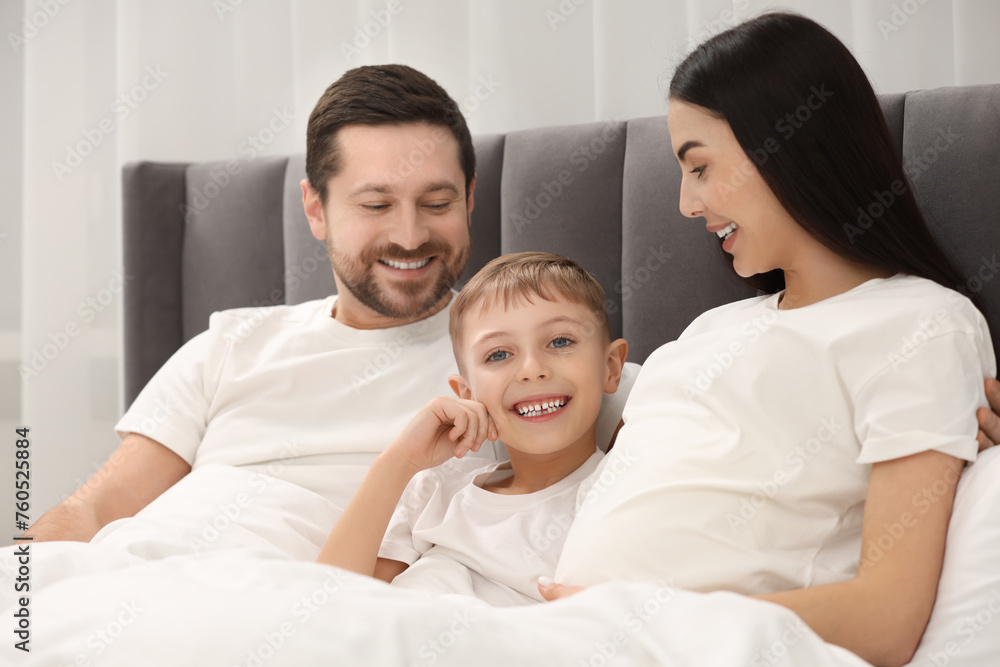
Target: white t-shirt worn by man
[
  {"x": 290, "y": 392},
  {"x": 459, "y": 538},
  {"x": 744, "y": 461}
]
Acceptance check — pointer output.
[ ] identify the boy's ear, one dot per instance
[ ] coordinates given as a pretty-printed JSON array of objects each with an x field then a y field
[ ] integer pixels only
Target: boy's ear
[
  {"x": 461, "y": 387},
  {"x": 617, "y": 352}
]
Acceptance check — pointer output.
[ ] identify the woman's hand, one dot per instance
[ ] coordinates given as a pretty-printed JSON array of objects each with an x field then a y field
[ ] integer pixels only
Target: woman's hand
[
  {"x": 989, "y": 418},
  {"x": 552, "y": 591},
  {"x": 444, "y": 428}
]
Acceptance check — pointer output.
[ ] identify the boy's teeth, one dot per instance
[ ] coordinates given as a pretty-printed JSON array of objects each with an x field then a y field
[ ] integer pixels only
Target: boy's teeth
[
  {"x": 543, "y": 408},
  {"x": 406, "y": 265}
]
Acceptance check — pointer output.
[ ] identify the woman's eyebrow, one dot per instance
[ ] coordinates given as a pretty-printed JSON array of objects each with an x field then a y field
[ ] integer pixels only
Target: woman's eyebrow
[{"x": 688, "y": 145}]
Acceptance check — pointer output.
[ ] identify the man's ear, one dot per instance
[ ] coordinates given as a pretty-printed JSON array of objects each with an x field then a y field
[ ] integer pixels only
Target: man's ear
[
  {"x": 617, "y": 352},
  {"x": 470, "y": 200},
  {"x": 313, "y": 206},
  {"x": 460, "y": 387}
]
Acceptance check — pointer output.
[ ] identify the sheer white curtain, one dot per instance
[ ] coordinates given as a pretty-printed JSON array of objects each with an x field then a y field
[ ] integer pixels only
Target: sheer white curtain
[{"x": 92, "y": 85}]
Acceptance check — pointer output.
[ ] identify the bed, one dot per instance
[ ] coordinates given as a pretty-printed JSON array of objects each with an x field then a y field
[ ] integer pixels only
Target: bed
[{"x": 197, "y": 579}]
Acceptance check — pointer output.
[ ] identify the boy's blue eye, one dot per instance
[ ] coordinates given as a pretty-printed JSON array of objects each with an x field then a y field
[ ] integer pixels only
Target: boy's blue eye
[
  {"x": 560, "y": 342},
  {"x": 497, "y": 355}
]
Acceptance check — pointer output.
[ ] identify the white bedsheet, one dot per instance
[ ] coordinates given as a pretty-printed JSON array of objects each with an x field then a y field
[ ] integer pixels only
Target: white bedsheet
[{"x": 147, "y": 593}]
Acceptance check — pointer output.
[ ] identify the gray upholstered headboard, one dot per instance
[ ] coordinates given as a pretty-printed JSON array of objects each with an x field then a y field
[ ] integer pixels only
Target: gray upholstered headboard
[{"x": 203, "y": 237}]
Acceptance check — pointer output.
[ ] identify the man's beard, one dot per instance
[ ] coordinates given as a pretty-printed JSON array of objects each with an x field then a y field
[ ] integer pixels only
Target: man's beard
[{"x": 358, "y": 277}]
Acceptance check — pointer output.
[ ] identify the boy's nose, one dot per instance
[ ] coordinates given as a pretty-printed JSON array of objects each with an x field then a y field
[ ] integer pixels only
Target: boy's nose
[{"x": 533, "y": 368}]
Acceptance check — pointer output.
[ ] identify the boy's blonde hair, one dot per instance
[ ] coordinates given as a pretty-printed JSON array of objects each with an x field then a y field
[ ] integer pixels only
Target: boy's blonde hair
[{"x": 520, "y": 276}]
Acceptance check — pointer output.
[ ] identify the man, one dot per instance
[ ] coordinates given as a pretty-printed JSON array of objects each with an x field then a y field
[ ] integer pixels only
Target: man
[{"x": 390, "y": 181}]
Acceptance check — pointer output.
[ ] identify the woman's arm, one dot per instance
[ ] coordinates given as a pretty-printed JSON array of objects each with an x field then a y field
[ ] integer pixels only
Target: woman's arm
[{"x": 881, "y": 614}]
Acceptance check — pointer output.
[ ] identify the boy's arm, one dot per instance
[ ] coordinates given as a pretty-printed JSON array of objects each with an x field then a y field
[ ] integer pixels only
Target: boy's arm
[
  {"x": 354, "y": 542},
  {"x": 444, "y": 428}
]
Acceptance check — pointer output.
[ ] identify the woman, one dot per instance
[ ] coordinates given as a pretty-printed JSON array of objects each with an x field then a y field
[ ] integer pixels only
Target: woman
[{"x": 802, "y": 446}]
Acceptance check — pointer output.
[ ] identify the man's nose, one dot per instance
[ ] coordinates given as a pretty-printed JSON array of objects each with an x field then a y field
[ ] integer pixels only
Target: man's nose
[{"x": 410, "y": 229}]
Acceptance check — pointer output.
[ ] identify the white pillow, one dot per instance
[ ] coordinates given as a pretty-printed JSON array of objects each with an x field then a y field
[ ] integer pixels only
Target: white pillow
[{"x": 964, "y": 630}]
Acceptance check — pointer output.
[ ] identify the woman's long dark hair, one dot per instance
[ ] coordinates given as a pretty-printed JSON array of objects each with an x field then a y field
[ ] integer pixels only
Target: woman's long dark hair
[{"x": 803, "y": 110}]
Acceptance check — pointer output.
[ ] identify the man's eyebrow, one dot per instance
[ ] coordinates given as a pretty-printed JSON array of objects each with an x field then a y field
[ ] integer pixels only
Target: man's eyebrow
[
  {"x": 380, "y": 188},
  {"x": 555, "y": 320},
  {"x": 688, "y": 145},
  {"x": 442, "y": 185},
  {"x": 385, "y": 188}
]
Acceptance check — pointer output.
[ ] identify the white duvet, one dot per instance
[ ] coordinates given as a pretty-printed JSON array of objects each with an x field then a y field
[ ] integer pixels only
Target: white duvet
[{"x": 219, "y": 572}]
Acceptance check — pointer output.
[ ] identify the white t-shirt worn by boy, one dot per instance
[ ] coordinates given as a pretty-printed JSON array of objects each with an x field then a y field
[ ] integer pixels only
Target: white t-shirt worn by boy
[
  {"x": 744, "y": 461},
  {"x": 458, "y": 537}
]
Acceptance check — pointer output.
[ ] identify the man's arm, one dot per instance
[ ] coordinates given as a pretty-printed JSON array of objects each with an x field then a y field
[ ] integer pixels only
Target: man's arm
[{"x": 138, "y": 472}]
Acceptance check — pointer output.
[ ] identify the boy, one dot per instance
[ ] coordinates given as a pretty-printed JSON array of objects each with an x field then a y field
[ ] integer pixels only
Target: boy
[{"x": 534, "y": 351}]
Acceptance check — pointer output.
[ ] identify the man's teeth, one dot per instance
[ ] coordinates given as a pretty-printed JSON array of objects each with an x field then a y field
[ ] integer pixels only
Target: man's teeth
[
  {"x": 405, "y": 265},
  {"x": 727, "y": 231},
  {"x": 543, "y": 408}
]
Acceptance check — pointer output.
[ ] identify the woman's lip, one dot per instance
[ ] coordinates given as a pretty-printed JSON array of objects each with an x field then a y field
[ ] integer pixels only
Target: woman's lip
[{"x": 727, "y": 245}]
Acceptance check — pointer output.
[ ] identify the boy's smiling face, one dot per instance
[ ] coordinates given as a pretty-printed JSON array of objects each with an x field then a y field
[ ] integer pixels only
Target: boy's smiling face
[{"x": 541, "y": 369}]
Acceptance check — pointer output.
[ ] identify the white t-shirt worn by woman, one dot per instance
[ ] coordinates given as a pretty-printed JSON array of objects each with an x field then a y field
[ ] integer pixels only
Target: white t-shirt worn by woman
[{"x": 743, "y": 464}]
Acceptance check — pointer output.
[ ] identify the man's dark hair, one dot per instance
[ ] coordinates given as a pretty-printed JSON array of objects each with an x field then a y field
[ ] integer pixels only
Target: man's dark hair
[{"x": 380, "y": 95}]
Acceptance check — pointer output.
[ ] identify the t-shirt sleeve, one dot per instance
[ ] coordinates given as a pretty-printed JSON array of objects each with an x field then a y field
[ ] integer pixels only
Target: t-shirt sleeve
[
  {"x": 399, "y": 542},
  {"x": 927, "y": 395},
  {"x": 172, "y": 408}
]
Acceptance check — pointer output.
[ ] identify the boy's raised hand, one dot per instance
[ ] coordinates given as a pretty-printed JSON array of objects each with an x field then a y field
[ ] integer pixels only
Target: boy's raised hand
[{"x": 444, "y": 428}]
